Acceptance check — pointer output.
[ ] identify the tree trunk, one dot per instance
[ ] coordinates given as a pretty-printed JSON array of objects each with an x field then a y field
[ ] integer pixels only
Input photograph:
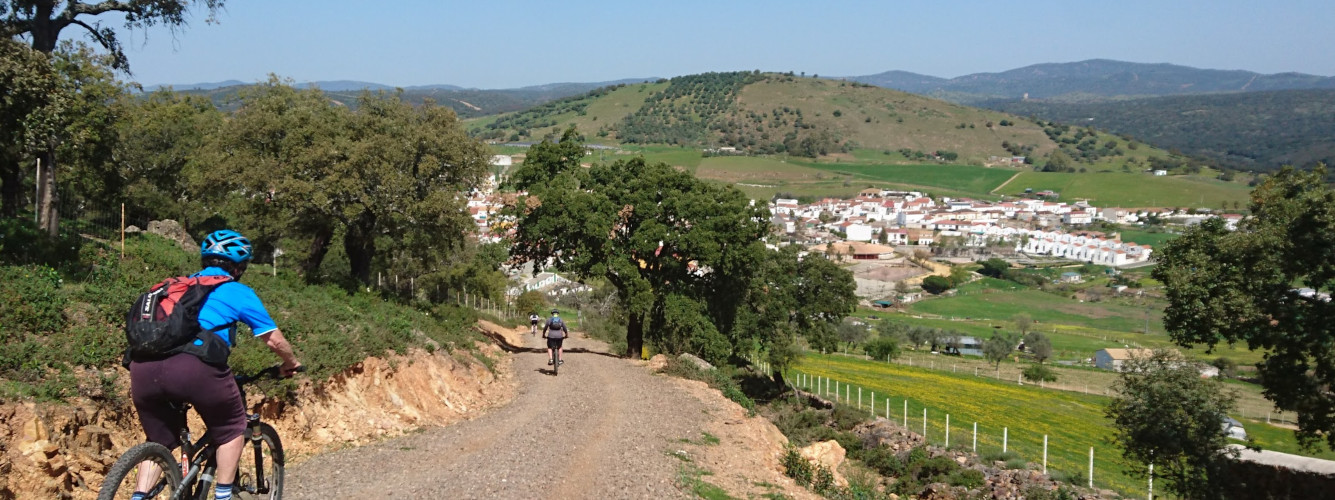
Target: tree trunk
[
  {"x": 319, "y": 247},
  {"x": 48, "y": 202},
  {"x": 359, "y": 243},
  {"x": 635, "y": 335}
]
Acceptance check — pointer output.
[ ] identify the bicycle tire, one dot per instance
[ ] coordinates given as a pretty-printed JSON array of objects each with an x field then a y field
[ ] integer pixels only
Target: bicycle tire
[
  {"x": 271, "y": 460},
  {"x": 556, "y": 363},
  {"x": 126, "y": 468}
]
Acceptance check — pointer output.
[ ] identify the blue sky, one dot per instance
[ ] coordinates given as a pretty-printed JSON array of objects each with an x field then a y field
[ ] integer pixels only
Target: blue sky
[{"x": 506, "y": 44}]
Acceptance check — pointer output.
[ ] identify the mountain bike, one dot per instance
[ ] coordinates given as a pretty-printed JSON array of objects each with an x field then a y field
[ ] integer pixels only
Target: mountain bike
[
  {"x": 259, "y": 475},
  {"x": 556, "y": 361}
]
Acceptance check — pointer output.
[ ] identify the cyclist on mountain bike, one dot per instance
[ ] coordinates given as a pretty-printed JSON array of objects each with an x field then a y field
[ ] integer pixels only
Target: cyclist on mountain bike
[
  {"x": 156, "y": 386},
  {"x": 533, "y": 320},
  {"x": 555, "y": 332}
]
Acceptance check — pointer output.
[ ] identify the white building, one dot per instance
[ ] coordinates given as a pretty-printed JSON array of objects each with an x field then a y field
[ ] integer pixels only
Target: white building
[{"x": 858, "y": 232}]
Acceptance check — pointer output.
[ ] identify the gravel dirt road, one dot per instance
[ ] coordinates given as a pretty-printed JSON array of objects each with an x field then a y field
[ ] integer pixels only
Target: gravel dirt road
[{"x": 604, "y": 428}]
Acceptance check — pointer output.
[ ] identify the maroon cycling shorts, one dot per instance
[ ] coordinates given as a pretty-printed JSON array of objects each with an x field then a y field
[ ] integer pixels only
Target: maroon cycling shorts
[{"x": 156, "y": 386}]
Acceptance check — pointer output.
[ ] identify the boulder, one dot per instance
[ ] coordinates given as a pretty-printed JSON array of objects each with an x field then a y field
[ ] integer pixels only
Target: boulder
[
  {"x": 695, "y": 360},
  {"x": 828, "y": 454},
  {"x": 132, "y": 229},
  {"x": 172, "y": 230},
  {"x": 657, "y": 362}
]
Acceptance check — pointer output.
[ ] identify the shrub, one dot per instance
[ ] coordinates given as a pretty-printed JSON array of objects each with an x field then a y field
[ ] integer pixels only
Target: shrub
[
  {"x": 882, "y": 348},
  {"x": 967, "y": 478},
  {"x": 1035, "y": 373},
  {"x": 30, "y": 302},
  {"x": 796, "y": 467}
]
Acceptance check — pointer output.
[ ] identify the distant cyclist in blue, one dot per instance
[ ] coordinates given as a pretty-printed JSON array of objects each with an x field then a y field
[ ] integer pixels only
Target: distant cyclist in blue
[{"x": 200, "y": 375}]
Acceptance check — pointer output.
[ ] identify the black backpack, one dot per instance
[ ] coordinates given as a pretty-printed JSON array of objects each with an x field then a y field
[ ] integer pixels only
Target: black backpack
[{"x": 165, "y": 321}]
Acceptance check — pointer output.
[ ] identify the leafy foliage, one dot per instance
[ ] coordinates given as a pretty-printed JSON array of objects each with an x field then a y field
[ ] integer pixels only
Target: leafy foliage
[
  {"x": 684, "y": 112},
  {"x": 1266, "y": 284},
  {"x": 685, "y": 256},
  {"x": 1246, "y": 130},
  {"x": 1166, "y": 414},
  {"x": 322, "y": 170}
]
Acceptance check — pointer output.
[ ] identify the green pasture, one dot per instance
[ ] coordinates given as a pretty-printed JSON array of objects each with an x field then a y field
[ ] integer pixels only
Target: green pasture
[
  {"x": 1117, "y": 189},
  {"x": 978, "y": 301},
  {"x": 1153, "y": 239},
  {"x": 1073, "y": 422},
  {"x": 975, "y": 181}
]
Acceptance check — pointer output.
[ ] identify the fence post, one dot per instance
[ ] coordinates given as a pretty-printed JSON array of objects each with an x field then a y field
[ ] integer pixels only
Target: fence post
[
  {"x": 123, "y": 229},
  {"x": 906, "y": 413},
  {"x": 836, "y": 391},
  {"x": 887, "y": 408},
  {"x": 1091, "y": 467},
  {"x": 975, "y": 437},
  {"x": 848, "y": 393},
  {"x": 1151, "y": 497},
  {"x": 947, "y": 430},
  {"x": 859, "y": 399},
  {"x": 1045, "y": 454},
  {"x": 1005, "y": 438},
  {"x": 872, "y": 406},
  {"x": 924, "y": 423}
]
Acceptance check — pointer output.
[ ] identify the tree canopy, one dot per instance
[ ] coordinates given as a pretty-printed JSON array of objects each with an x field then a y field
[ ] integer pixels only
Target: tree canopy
[
  {"x": 43, "y": 20},
  {"x": 1166, "y": 414},
  {"x": 385, "y": 177},
  {"x": 1267, "y": 284},
  {"x": 686, "y": 257}
]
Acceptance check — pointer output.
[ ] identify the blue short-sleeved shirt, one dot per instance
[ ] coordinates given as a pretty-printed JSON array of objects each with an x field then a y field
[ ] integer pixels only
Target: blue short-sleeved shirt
[{"x": 232, "y": 302}]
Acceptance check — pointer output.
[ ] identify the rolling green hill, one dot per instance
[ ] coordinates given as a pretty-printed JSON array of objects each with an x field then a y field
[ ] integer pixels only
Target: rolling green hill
[
  {"x": 818, "y": 137},
  {"x": 1251, "y": 130}
]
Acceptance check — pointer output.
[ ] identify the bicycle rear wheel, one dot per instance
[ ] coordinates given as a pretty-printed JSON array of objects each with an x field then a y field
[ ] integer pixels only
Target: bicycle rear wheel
[
  {"x": 556, "y": 363},
  {"x": 123, "y": 478},
  {"x": 260, "y": 473}
]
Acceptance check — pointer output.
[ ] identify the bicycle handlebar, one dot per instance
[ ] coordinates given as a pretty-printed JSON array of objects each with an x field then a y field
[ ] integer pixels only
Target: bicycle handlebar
[{"x": 274, "y": 371}]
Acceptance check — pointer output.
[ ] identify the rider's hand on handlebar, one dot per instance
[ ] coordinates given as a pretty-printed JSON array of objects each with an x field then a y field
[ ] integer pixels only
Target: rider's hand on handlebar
[{"x": 287, "y": 370}]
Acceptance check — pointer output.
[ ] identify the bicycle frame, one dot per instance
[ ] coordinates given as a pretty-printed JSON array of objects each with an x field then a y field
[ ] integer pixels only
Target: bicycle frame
[{"x": 201, "y": 455}]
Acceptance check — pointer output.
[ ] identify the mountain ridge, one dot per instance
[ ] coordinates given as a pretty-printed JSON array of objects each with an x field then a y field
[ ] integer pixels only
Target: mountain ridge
[{"x": 1091, "y": 79}]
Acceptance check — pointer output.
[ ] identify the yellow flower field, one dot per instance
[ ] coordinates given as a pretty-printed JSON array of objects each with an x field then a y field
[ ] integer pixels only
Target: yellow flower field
[{"x": 1073, "y": 422}]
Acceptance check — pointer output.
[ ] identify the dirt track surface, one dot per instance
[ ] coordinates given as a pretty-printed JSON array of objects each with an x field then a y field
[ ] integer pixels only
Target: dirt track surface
[{"x": 603, "y": 428}]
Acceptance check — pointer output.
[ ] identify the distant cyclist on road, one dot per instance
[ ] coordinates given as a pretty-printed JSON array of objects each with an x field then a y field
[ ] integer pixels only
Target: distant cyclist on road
[
  {"x": 199, "y": 373},
  {"x": 533, "y": 320},
  {"x": 555, "y": 332}
]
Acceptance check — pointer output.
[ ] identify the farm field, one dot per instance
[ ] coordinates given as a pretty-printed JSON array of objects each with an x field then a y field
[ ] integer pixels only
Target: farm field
[
  {"x": 762, "y": 177},
  {"x": 1116, "y": 189},
  {"x": 975, "y": 301},
  {"x": 976, "y": 181},
  {"x": 1073, "y": 421},
  {"x": 1154, "y": 240}
]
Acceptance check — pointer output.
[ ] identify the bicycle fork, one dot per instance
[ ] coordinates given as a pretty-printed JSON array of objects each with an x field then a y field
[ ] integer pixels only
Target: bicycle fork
[{"x": 260, "y": 484}]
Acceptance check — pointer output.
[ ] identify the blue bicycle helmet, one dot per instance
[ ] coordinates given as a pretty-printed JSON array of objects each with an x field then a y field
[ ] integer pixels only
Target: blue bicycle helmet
[{"x": 227, "y": 244}]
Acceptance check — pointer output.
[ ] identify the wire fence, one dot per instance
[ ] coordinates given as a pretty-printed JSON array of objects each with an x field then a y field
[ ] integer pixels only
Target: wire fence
[
  {"x": 979, "y": 437},
  {"x": 1087, "y": 381}
]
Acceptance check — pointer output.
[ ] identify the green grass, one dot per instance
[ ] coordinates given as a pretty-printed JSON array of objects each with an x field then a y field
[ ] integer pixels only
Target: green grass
[
  {"x": 1073, "y": 422},
  {"x": 977, "y": 181},
  {"x": 1117, "y": 189},
  {"x": 979, "y": 301},
  {"x": 1153, "y": 239}
]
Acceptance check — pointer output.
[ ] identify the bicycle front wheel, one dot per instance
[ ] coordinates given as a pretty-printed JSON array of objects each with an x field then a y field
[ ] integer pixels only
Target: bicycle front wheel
[
  {"x": 260, "y": 473},
  {"x": 162, "y": 475}
]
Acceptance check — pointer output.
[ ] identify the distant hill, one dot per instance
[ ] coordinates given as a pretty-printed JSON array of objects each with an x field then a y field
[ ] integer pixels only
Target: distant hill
[
  {"x": 465, "y": 102},
  {"x": 1092, "y": 80},
  {"x": 779, "y": 114},
  {"x": 1250, "y": 130}
]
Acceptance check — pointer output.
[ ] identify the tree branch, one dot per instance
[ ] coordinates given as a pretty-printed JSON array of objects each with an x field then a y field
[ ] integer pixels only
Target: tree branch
[
  {"x": 77, "y": 8},
  {"x": 108, "y": 44}
]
